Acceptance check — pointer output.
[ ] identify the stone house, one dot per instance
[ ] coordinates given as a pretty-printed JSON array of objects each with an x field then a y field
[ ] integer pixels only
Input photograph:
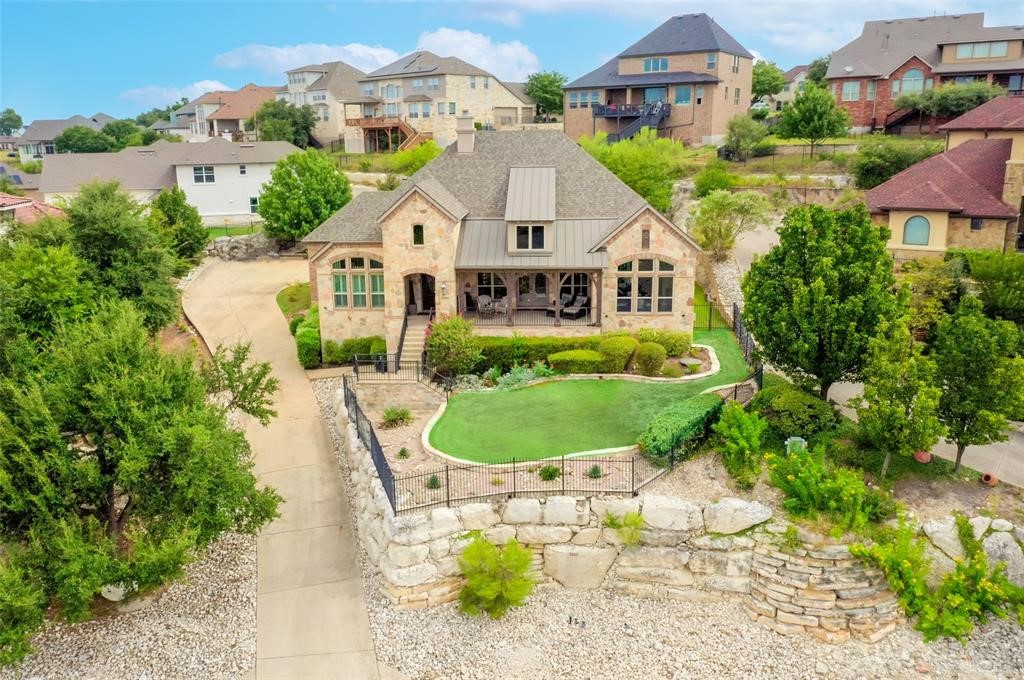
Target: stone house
[
  {"x": 687, "y": 78},
  {"x": 796, "y": 79},
  {"x": 969, "y": 196},
  {"x": 520, "y": 231},
  {"x": 894, "y": 57},
  {"x": 326, "y": 87}
]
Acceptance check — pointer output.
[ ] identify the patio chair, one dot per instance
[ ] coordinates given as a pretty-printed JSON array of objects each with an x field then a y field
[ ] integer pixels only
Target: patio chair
[
  {"x": 577, "y": 309},
  {"x": 501, "y": 306},
  {"x": 563, "y": 303},
  {"x": 484, "y": 305},
  {"x": 470, "y": 303}
]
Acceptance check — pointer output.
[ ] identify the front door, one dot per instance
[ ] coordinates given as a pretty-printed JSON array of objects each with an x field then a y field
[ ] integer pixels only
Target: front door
[
  {"x": 428, "y": 292},
  {"x": 655, "y": 94},
  {"x": 533, "y": 291}
]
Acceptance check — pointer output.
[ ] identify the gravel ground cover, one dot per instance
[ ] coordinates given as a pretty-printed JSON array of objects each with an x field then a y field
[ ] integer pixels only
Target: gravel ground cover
[
  {"x": 602, "y": 635},
  {"x": 203, "y": 626}
]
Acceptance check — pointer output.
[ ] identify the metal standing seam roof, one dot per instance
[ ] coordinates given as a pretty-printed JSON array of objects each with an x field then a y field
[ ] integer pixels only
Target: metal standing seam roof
[
  {"x": 484, "y": 244},
  {"x": 531, "y": 194}
]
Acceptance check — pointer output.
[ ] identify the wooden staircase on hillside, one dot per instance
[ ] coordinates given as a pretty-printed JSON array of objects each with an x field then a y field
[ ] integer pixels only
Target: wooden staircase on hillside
[{"x": 415, "y": 140}]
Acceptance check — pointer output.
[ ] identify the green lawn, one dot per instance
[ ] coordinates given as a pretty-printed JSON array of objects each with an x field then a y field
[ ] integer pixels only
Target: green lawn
[
  {"x": 556, "y": 418},
  {"x": 294, "y": 299},
  {"x": 702, "y": 310},
  {"x": 217, "y": 232}
]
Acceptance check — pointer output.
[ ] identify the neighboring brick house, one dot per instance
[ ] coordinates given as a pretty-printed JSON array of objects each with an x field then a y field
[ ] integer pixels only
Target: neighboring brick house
[
  {"x": 796, "y": 78},
  {"x": 325, "y": 87},
  {"x": 521, "y": 231},
  {"x": 687, "y": 78},
  {"x": 904, "y": 56},
  {"x": 970, "y": 196},
  {"x": 419, "y": 96}
]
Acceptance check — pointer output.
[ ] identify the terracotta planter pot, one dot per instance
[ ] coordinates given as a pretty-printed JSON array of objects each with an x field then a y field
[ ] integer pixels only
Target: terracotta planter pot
[
  {"x": 923, "y": 456},
  {"x": 990, "y": 479}
]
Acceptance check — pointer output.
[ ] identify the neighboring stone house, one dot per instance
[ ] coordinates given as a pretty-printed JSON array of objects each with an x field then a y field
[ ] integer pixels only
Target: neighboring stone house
[
  {"x": 222, "y": 179},
  {"x": 521, "y": 231},
  {"x": 903, "y": 56},
  {"x": 796, "y": 79},
  {"x": 37, "y": 140},
  {"x": 687, "y": 78},
  {"x": 325, "y": 87},
  {"x": 419, "y": 97},
  {"x": 969, "y": 196}
]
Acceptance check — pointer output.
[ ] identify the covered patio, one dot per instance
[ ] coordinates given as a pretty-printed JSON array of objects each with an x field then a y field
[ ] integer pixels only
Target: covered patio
[{"x": 530, "y": 298}]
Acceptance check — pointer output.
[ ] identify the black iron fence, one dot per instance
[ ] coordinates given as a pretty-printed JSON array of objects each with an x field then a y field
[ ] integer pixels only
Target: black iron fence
[{"x": 708, "y": 316}]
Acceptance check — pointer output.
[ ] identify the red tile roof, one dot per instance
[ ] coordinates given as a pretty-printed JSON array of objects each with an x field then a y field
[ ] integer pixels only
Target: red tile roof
[
  {"x": 26, "y": 209},
  {"x": 967, "y": 179},
  {"x": 242, "y": 103},
  {"x": 1001, "y": 113}
]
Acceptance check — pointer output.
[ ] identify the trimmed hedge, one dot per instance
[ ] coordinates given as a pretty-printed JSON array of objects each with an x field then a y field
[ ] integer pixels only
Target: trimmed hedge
[
  {"x": 293, "y": 324},
  {"x": 526, "y": 351},
  {"x": 791, "y": 412},
  {"x": 617, "y": 351},
  {"x": 307, "y": 339},
  {"x": 650, "y": 357},
  {"x": 577, "y": 361},
  {"x": 378, "y": 345},
  {"x": 343, "y": 352},
  {"x": 682, "y": 425}
]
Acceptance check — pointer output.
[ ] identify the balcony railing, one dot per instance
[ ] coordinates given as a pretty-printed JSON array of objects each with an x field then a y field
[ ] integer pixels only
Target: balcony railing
[{"x": 617, "y": 110}]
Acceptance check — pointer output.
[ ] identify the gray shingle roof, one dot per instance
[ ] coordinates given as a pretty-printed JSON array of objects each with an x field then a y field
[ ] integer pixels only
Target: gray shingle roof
[
  {"x": 684, "y": 34},
  {"x": 484, "y": 244},
  {"x": 423, "y": 62},
  {"x": 607, "y": 75},
  {"x": 48, "y": 129},
  {"x": 479, "y": 181},
  {"x": 339, "y": 78},
  {"x": 885, "y": 45},
  {"x": 518, "y": 90},
  {"x": 219, "y": 151}
]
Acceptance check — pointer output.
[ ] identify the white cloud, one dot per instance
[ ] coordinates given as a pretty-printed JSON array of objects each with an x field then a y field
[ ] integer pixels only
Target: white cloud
[
  {"x": 757, "y": 56},
  {"x": 278, "y": 59},
  {"x": 162, "y": 95},
  {"x": 508, "y": 17},
  {"x": 511, "y": 60}
]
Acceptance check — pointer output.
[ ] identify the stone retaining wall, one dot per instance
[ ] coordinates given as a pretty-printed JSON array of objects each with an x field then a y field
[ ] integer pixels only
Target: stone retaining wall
[{"x": 689, "y": 550}]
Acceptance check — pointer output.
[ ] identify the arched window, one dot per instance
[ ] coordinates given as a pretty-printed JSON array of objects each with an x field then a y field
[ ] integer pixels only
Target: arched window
[
  {"x": 913, "y": 81},
  {"x": 350, "y": 279},
  {"x": 916, "y": 231},
  {"x": 644, "y": 286}
]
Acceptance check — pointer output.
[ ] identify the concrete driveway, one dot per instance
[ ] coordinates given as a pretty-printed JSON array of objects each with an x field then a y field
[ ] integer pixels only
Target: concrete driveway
[{"x": 311, "y": 616}]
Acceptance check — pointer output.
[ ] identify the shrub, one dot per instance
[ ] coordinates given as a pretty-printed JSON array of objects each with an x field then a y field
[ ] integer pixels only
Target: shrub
[
  {"x": 504, "y": 353},
  {"x": 365, "y": 165},
  {"x": 880, "y": 157},
  {"x": 403, "y": 453},
  {"x": 676, "y": 343},
  {"x": 293, "y": 324},
  {"x": 354, "y": 346},
  {"x": 682, "y": 425},
  {"x": 307, "y": 339},
  {"x": 713, "y": 177},
  {"x": 627, "y": 527},
  {"x": 332, "y": 352},
  {"x": 395, "y": 417},
  {"x": 452, "y": 349},
  {"x": 408, "y": 161},
  {"x": 378, "y": 345},
  {"x": 549, "y": 472},
  {"x": 22, "y": 604},
  {"x": 742, "y": 134},
  {"x": 389, "y": 183},
  {"x": 791, "y": 412},
  {"x": 650, "y": 357},
  {"x": 496, "y": 480},
  {"x": 32, "y": 167},
  {"x": 595, "y": 472},
  {"x": 496, "y": 578},
  {"x": 617, "y": 351},
  {"x": 577, "y": 361},
  {"x": 791, "y": 537},
  {"x": 741, "y": 443},
  {"x": 763, "y": 148},
  {"x": 433, "y": 482}
]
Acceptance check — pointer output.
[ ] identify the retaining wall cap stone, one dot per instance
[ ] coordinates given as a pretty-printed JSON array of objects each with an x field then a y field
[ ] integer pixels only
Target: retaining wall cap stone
[
  {"x": 733, "y": 515},
  {"x": 669, "y": 512},
  {"x": 522, "y": 511}
]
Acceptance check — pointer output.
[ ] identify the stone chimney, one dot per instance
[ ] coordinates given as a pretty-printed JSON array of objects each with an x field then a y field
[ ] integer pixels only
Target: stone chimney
[{"x": 465, "y": 134}]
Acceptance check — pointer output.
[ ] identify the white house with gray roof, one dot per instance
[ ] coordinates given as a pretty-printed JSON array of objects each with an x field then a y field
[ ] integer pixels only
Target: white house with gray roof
[
  {"x": 36, "y": 142},
  {"x": 521, "y": 231},
  {"x": 222, "y": 179}
]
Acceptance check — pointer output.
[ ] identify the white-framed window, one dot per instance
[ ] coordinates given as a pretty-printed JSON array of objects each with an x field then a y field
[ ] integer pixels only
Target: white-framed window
[
  {"x": 325, "y": 113},
  {"x": 851, "y": 90},
  {"x": 982, "y": 50},
  {"x": 441, "y": 106},
  {"x": 254, "y": 204},
  {"x": 487, "y": 82},
  {"x": 472, "y": 82},
  {"x": 643, "y": 286},
  {"x": 451, "y": 108},
  {"x": 241, "y": 169},
  {"x": 350, "y": 283},
  {"x": 736, "y": 96},
  {"x": 417, "y": 84},
  {"x": 530, "y": 237},
  {"x": 735, "y": 63},
  {"x": 712, "y": 61},
  {"x": 413, "y": 111},
  {"x": 655, "y": 64},
  {"x": 574, "y": 100},
  {"x": 202, "y": 174},
  {"x": 871, "y": 90},
  {"x": 368, "y": 89},
  {"x": 433, "y": 84},
  {"x": 425, "y": 109},
  {"x": 916, "y": 231}
]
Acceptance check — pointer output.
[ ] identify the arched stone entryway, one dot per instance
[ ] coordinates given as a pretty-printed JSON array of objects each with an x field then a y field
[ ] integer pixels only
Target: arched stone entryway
[{"x": 420, "y": 294}]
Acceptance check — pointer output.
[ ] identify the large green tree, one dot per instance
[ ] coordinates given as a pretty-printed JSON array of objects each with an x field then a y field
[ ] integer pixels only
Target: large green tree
[
  {"x": 122, "y": 132},
  {"x": 817, "y": 69},
  {"x": 768, "y": 81},
  {"x": 10, "y": 121},
  {"x": 816, "y": 299},
  {"x": 648, "y": 164},
  {"x": 545, "y": 88},
  {"x": 948, "y": 101},
  {"x": 982, "y": 380},
  {"x": 305, "y": 189},
  {"x": 180, "y": 223},
  {"x": 812, "y": 116},
  {"x": 898, "y": 412},
  {"x": 1000, "y": 281},
  {"x": 743, "y": 134},
  {"x": 42, "y": 287},
  {"x": 720, "y": 217},
  {"x": 147, "y": 118},
  {"x": 278, "y": 120},
  {"x": 116, "y": 467},
  {"x": 82, "y": 139},
  {"x": 125, "y": 255}
]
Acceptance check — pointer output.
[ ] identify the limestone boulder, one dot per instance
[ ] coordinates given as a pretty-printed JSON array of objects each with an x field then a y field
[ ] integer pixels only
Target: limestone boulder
[
  {"x": 588, "y": 536},
  {"x": 733, "y": 515},
  {"x": 408, "y": 576},
  {"x": 979, "y": 525},
  {"x": 478, "y": 516},
  {"x": 521, "y": 511},
  {"x": 577, "y": 566},
  {"x": 941, "y": 564},
  {"x": 669, "y": 512},
  {"x": 408, "y": 555},
  {"x": 614, "y": 505},
  {"x": 1001, "y": 524},
  {"x": 943, "y": 535},
  {"x": 531, "y": 534},
  {"x": 408, "y": 529},
  {"x": 661, "y": 558},
  {"x": 1001, "y": 546},
  {"x": 444, "y": 522},
  {"x": 566, "y": 510},
  {"x": 500, "y": 535}
]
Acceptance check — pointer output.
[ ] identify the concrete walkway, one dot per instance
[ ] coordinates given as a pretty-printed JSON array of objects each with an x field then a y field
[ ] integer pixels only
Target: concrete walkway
[{"x": 311, "y": 617}]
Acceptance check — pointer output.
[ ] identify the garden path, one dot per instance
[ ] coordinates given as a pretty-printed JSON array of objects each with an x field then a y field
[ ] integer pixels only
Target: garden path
[{"x": 311, "y": 615}]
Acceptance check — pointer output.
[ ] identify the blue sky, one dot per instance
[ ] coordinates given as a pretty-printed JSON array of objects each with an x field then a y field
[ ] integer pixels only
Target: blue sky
[{"x": 62, "y": 58}]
